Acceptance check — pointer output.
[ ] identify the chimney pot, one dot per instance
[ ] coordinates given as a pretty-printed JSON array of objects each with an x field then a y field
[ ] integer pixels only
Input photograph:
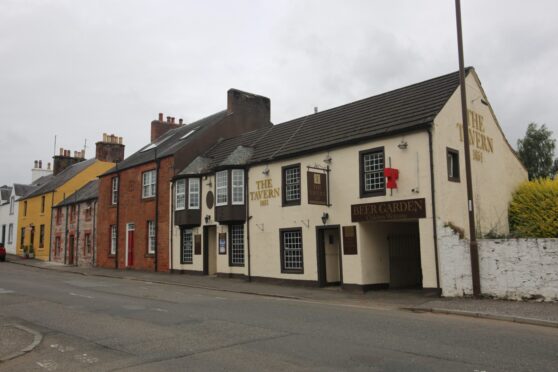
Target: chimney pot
[
  {"x": 48, "y": 166},
  {"x": 61, "y": 151},
  {"x": 168, "y": 119},
  {"x": 160, "y": 116},
  {"x": 40, "y": 164},
  {"x": 180, "y": 121}
]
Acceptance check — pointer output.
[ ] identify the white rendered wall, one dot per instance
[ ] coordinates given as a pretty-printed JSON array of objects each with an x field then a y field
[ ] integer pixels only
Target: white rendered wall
[
  {"x": 6, "y": 219},
  {"x": 512, "y": 269}
]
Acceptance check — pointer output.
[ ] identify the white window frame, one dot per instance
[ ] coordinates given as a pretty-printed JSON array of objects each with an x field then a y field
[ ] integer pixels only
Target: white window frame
[
  {"x": 180, "y": 194},
  {"x": 114, "y": 194},
  {"x": 151, "y": 237},
  {"x": 113, "y": 239},
  {"x": 237, "y": 183},
  {"x": 12, "y": 204},
  {"x": 10, "y": 233},
  {"x": 236, "y": 249},
  {"x": 149, "y": 187},
  {"x": 194, "y": 190},
  {"x": 221, "y": 188}
]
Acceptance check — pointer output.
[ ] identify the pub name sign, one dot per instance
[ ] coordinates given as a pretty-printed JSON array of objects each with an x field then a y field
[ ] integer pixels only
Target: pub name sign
[{"x": 391, "y": 210}]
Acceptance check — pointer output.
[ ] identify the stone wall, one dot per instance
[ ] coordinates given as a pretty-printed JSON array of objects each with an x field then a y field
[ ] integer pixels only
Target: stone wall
[{"x": 512, "y": 269}]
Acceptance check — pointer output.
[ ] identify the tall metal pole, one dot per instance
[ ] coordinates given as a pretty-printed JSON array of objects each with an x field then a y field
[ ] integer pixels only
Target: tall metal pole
[{"x": 470, "y": 205}]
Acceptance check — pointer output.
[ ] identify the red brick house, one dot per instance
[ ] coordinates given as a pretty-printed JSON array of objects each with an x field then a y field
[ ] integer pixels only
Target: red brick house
[{"x": 134, "y": 202}]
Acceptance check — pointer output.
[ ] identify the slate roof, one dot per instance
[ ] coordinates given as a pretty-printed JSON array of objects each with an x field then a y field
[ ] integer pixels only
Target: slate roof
[
  {"x": 169, "y": 143},
  {"x": 60, "y": 179},
  {"x": 88, "y": 192},
  {"x": 5, "y": 193},
  {"x": 401, "y": 110}
]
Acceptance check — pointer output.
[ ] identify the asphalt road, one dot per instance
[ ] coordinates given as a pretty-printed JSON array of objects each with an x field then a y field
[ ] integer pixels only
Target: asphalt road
[{"x": 106, "y": 324}]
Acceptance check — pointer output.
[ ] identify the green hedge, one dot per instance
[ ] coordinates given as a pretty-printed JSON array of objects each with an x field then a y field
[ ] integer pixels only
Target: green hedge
[{"x": 534, "y": 209}]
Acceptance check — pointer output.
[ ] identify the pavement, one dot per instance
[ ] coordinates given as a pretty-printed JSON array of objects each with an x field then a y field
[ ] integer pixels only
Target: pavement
[{"x": 525, "y": 312}]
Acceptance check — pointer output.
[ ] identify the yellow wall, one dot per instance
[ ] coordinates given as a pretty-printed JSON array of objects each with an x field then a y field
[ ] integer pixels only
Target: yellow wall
[{"x": 36, "y": 218}]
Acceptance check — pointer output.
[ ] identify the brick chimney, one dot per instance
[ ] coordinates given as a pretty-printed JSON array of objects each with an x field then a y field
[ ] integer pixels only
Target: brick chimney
[
  {"x": 240, "y": 102},
  {"x": 160, "y": 127},
  {"x": 110, "y": 149},
  {"x": 65, "y": 159}
]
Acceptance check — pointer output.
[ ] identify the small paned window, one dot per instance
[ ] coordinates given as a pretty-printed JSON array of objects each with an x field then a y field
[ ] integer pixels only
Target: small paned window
[
  {"x": 12, "y": 204},
  {"x": 150, "y": 237},
  {"x": 87, "y": 248},
  {"x": 453, "y": 165},
  {"x": 187, "y": 246},
  {"x": 72, "y": 213},
  {"x": 291, "y": 185},
  {"x": 10, "y": 233},
  {"x": 113, "y": 239},
  {"x": 43, "y": 204},
  {"x": 42, "y": 236},
  {"x": 58, "y": 216},
  {"x": 237, "y": 176},
  {"x": 57, "y": 246},
  {"x": 291, "y": 251},
  {"x": 180, "y": 194},
  {"x": 194, "y": 193},
  {"x": 221, "y": 188},
  {"x": 25, "y": 208},
  {"x": 372, "y": 178},
  {"x": 236, "y": 257},
  {"x": 149, "y": 187},
  {"x": 114, "y": 194},
  {"x": 22, "y": 242},
  {"x": 88, "y": 208}
]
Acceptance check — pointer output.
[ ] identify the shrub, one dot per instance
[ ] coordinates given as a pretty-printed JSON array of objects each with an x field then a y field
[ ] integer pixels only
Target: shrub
[{"x": 534, "y": 209}]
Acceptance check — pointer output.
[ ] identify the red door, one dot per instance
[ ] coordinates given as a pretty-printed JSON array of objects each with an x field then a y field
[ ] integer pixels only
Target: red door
[{"x": 131, "y": 248}]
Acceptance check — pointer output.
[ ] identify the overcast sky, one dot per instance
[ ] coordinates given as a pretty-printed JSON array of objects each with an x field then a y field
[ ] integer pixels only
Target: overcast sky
[{"x": 76, "y": 69}]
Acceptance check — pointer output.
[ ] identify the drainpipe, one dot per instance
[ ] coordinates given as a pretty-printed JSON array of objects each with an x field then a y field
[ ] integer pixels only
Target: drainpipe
[
  {"x": 172, "y": 222},
  {"x": 248, "y": 217},
  {"x": 157, "y": 188},
  {"x": 433, "y": 199},
  {"x": 50, "y": 231},
  {"x": 117, "y": 219},
  {"x": 77, "y": 234},
  {"x": 94, "y": 238},
  {"x": 66, "y": 236}
]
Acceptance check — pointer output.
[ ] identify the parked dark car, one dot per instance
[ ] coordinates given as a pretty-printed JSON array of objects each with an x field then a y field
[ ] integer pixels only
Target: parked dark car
[{"x": 2, "y": 252}]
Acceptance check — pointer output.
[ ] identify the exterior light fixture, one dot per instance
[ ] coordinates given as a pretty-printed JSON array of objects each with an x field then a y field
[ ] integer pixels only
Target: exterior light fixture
[
  {"x": 403, "y": 145},
  {"x": 325, "y": 217},
  {"x": 265, "y": 172},
  {"x": 207, "y": 218},
  {"x": 327, "y": 159}
]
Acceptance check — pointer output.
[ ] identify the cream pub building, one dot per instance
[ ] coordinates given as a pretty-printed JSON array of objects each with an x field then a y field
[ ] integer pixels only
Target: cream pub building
[{"x": 351, "y": 196}]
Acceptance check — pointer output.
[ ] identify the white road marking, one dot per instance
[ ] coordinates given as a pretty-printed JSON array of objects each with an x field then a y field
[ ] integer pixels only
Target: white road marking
[
  {"x": 80, "y": 295},
  {"x": 5, "y": 291},
  {"x": 49, "y": 365},
  {"x": 160, "y": 310},
  {"x": 84, "y": 358}
]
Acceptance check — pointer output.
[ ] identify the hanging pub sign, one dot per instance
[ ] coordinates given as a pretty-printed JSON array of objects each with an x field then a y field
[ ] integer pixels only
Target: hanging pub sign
[
  {"x": 317, "y": 188},
  {"x": 391, "y": 210}
]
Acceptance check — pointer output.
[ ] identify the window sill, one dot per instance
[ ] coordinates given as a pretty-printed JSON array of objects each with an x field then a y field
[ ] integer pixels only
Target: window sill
[
  {"x": 284, "y": 271},
  {"x": 453, "y": 179},
  {"x": 236, "y": 265},
  {"x": 372, "y": 194},
  {"x": 149, "y": 255},
  {"x": 290, "y": 203},
  {"x": 111, "y": 256},
  {"x": 149, "y": 198},
  {"x": 186, "y": 263}
]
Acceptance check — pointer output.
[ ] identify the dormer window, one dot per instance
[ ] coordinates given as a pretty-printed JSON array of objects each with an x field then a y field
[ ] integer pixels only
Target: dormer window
[
  {"x": 221, "y": 191},
  {"x": 194, "y": 193},
  {"x": 180, "y": 194},
  {"x": 237, "y": 176}
]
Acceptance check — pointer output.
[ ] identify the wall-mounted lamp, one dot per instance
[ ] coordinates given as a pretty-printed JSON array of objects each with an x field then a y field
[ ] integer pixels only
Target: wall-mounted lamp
[
  {"x": 327, "y": 159},
  {"x": 402, "y": 145},
  {"x": 265, "y": 172},
  {"x": 209, "y": 184},
  {"x": 207, "y": 218},
  {"x": 325, "y": 217}
]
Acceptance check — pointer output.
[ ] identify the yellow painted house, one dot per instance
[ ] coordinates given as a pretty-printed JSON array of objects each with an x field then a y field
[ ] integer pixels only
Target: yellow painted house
[{"x": 34, "y": 218}]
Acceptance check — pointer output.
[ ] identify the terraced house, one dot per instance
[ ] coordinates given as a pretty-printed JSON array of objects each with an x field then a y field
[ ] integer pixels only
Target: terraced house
[
  {"x": 351, "y": 196},
  {"x": 70, "y": 173},
  {"x": 135, "y": 196}
]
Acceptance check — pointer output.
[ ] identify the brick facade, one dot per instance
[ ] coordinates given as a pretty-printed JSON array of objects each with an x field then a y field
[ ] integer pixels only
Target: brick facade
[{"x": 74, "y": 223}]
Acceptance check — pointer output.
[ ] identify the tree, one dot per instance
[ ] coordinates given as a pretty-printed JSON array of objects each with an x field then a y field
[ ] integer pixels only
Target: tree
[{"x": 536, "y": 151}]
